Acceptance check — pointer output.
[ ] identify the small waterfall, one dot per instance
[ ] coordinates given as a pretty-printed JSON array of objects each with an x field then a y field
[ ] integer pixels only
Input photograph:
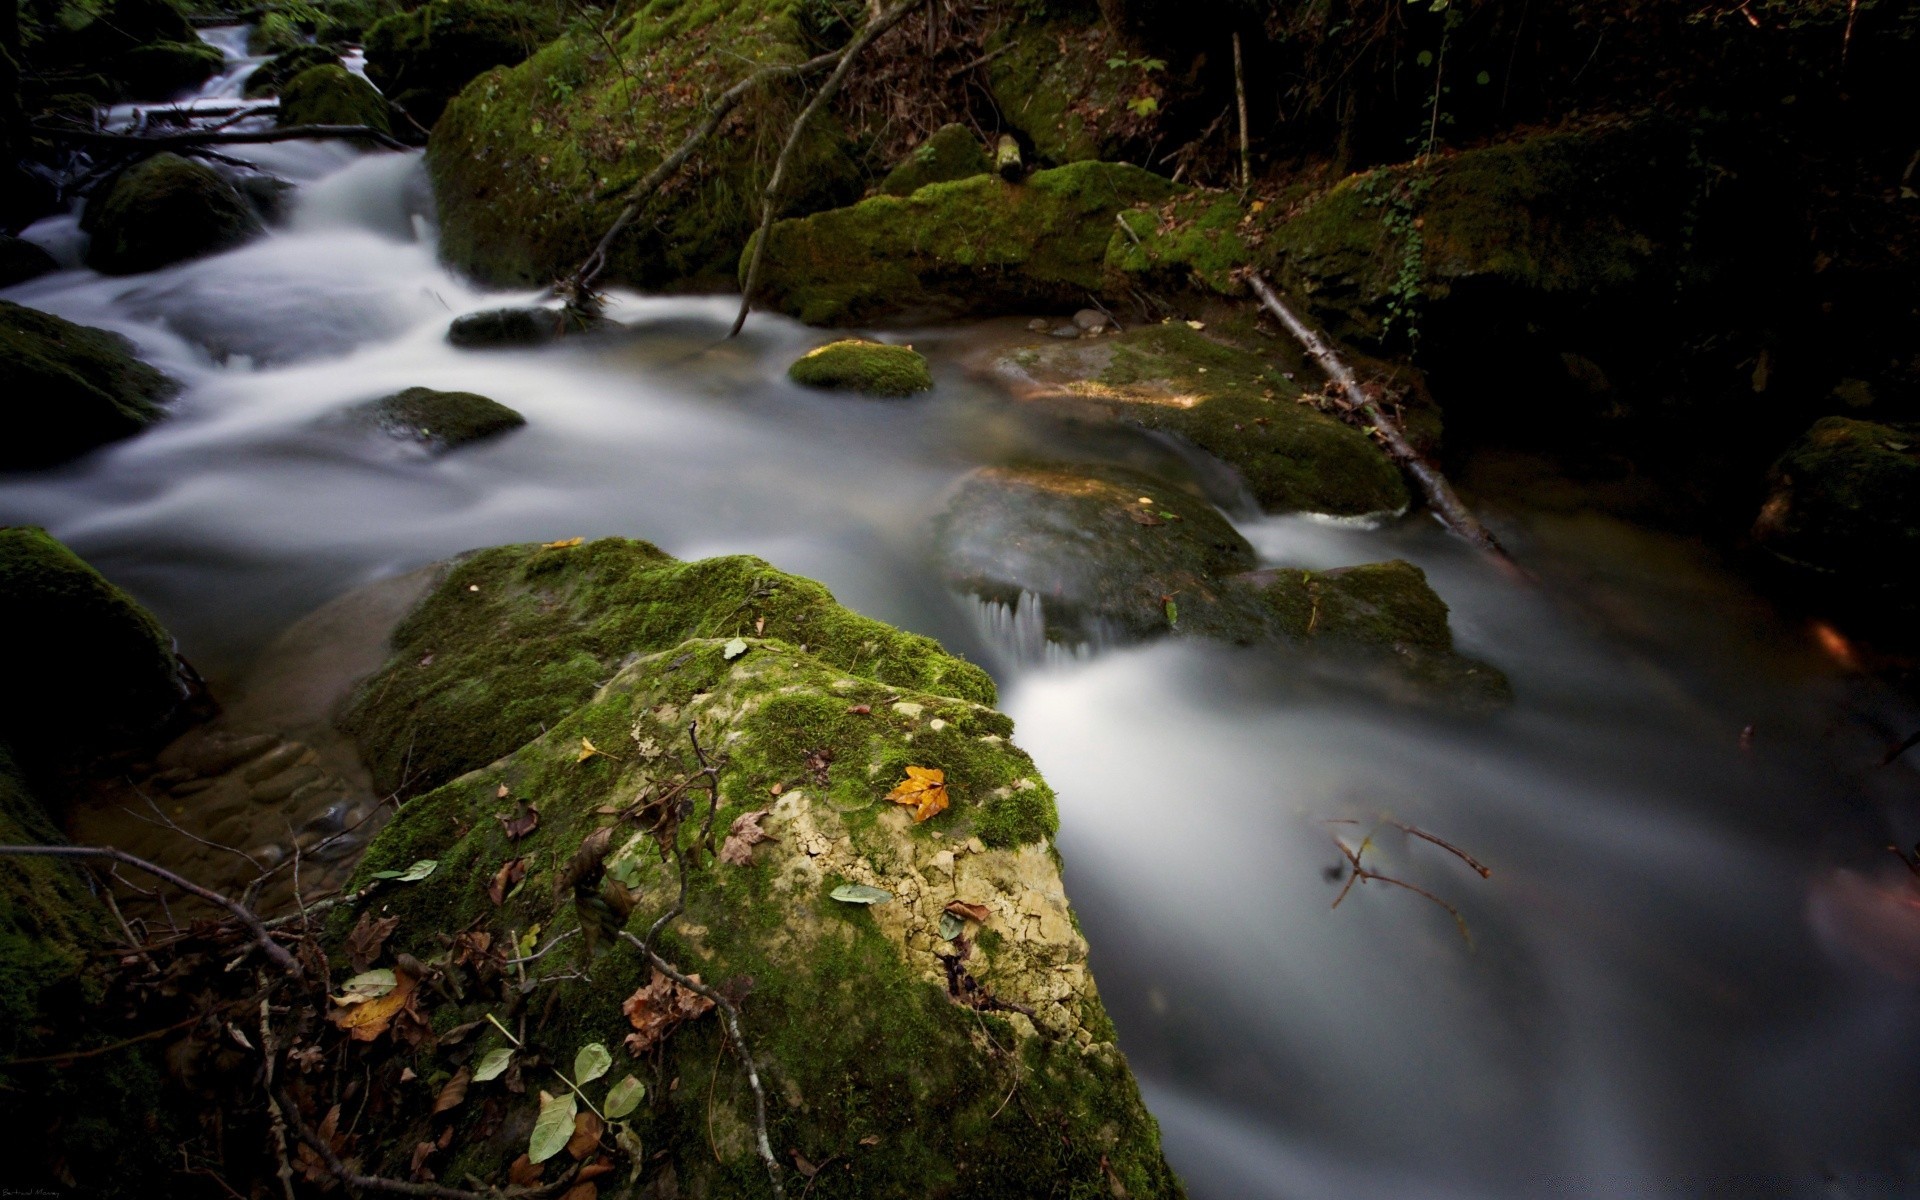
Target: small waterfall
[{"x": 1018, "y": 632}]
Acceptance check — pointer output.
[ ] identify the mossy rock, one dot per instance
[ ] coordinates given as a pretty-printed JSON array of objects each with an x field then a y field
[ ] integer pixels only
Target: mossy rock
[
  {"x": 951, "y": 152},
  {"x": 92, "y": 34},
  {"x": 531, "y": 165},
  {"x": 441, "y": 421},
  {"x": 70, "y": 388},
  {"x": 330, "y": 94},
  {"x": 269, "y": 77},
  {"x": 162, "y": 70},
  {"x": 426, "y": 55},
  {"x": 21, "y": 260},
  {"x": 1102, "y": 566},
  {"x": 1227, "y": 401},
  {"x": 1845, "y": 499},
  {"x": 278, "y": 32},
  {"x": 518, "y": 636},
  {"x": 507, "y": 328},
  {"x": 975, "y": 245},
  {"x": 91, "y": 673},
  {"x": 1051, "y": 80},
  {"x": 162, "y": 211},
  {"x": 857, "y": 365}
]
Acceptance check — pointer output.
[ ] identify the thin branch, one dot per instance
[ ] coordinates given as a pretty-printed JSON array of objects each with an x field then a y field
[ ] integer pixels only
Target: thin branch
[{"x": 1240, "y": 96}]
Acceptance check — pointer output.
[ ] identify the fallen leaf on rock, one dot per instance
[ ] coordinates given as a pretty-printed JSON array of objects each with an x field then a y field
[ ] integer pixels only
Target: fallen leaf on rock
[
  {"x": 744, "y": 835},
  {"x": 924, "y": 790},
  {"x": 522, "y": 1172},
  {"x": 589, "y": 750},
  {"x": 1141, "y": 517},
  {"x": 733, "y": 649},
  {"x": 419, "y": 1172},
  {"x": 502, "y": 793},
  {"x": 951, "y": 926},
  {"x": 971, "y": 912},
  {"x": 454, "y": 1094},
  {"x": 367, "y": 985},
  {"x": 562, "y": 544},
  {"x": 364, "y": 942},
  {"x": 872, "y": 1139},
  {"x": 800, "y": 1164},
  {"x": 656, "y": 1009},
  {"x": 510, "y": 873},
  {"x": 521, "y": 823},
  {"x": 587, "y": 1129},
  {"x": 493, "y": 1064},
  {"x": 368, "y": 1020},
  {"x": 459, "y": 1033},
  {"x": 861, "y": 710},
  {"x": 860, "y": 893},
  {"x": 584, "y": 868},
  {"x": 313, "y": 1168}
]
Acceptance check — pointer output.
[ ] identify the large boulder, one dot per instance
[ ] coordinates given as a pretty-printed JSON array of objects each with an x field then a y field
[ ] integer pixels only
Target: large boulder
[
  {"x": 70, "y": 388},
  {"x": 330, "y": 94},
  {"x": 91, "y": 673},
  {"x": 269, "y": 77},
  {"x": 1845, "y": 498},
  {"x": 951, "y": 152},
  {"x": 162, "y": 211},
  {"x": 1226, "y": 400},
  {"x": 440, "y": 421},
  {"x": 857, "y": 365},
  {"x": 887, "y": 1036},
  {"x": 531, "y": 165},
  {"x": 975, "y": 245},
  {"x": 423, "y": 57},
  {"x": 21, "y": 260}
]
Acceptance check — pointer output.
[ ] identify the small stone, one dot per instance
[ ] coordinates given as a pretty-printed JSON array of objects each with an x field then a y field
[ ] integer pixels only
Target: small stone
[
  {"x": 1039, "y": 325},
  {"x": 276, "y": 788},
  {"x": 218, "y": 755},
  {"x": 1091, "y": 320},
  {"x": 1066, "y": 331},
  {"x": 976, "y": 846},
  {"x": 277, "y": 760},
  {"x": 943, "y": 862}
]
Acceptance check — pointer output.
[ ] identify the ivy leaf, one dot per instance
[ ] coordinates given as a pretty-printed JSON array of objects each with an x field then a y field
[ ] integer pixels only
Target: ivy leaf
[
  {"x": 493, "y": 1065},
  {"x": 733, "y": 649},
  {"x": 860, "y": 893},
  {"x": 553, "y": 1129},
  {"x": 591, "y": 1063},
  {"x": 924, "y": 790},
  {"x": 623, "y": 1098}
]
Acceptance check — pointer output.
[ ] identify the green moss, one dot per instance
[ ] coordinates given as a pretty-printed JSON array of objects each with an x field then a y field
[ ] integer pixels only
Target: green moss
[
  {"x": 162, "y": 211},
  {"x": 516, "y": 637},
  {"x": 70, "y": 388},
  {"x": 423, "y": 57},
  {"x": 330, "y": 94},
  {"x": 952, "y": 152},
  {"x": 442, "y": 420},
  {"x": 857, "y": 365},
  {"x": 973, "y": 245},
  {"x": 1382, "y": 604},
  {"x": 269, "y": 77},
  {"x": 1846, "y": 498},
  {"x": 1203, "y": 238},
  {"x": 1052, "y": 81}
]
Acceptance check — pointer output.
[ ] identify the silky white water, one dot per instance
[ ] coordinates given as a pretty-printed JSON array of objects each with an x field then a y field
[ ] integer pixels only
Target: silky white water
[{"x": 1692, "y": 971}]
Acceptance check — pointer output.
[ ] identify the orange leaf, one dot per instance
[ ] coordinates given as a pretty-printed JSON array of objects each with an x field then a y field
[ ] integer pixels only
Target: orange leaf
[
  {"x": 586, "y": 1134},
  {"x": 368, "y": 1020},
  {"x": 924, "y": 790}
]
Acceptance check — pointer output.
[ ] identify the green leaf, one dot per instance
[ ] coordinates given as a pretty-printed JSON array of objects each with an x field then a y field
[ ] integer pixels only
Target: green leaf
[
  {"x": 371, "y": 985},
  {"x": 623, "y": 1098},
  {"x": 860, "y": 893},
  {"x": 950, "y": 926},
  {"x": 386, "y": 874},
  {"x": 1173, "y": 615},
  {"x": 1483, "y": 79},
  {"x": 553, "y": 1128},
  {"x": 491, "y": 1067},
  {"x": 733, "y": 649},
  {"x": 1424, "y": 58},
  {"x": 418, "y": 871},
  {"x": 591, "y": 1063}
]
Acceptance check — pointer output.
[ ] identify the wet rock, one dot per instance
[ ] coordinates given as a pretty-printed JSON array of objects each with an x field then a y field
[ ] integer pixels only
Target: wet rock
[
  {"x": 277, "y": 788},
  {"x": 215, "y": 753},
  {"x": 951, "y": 152},
  {"x": 332, "y": 95},
  {"x": 163, "y": 70},
  {"x": 70, "y": 388},
  {"x": 441, "y": 421},
  {"x": 1101, "y": 551},
  {"x": 280, "y": 758},
  {"x": 162, "y": 211},
  {"x": 1071, "y": 105},
  {"x": 1064, "y": 331},
  {"x": 269, "y": 77},
  {"x": 1091, "y": 320},
  {"x": 1227, "y": 401},
  {"x": 423, "y": 57},
  {"x": 512, "y": 327},
  {"x": 857, "y": 365},
  {"x": 1039, "y": 325},
  {"x": 1845, "y": 499},
  {"x": 90, "y": 672}
]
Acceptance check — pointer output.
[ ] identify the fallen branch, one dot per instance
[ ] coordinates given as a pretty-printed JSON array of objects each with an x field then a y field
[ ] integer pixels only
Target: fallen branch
[
  {"x": 224, "y": 137},
  {"x": 875, "y": 26},
  {"x": 1439, "y": 494},
  {"x": 275, "y": 952}
]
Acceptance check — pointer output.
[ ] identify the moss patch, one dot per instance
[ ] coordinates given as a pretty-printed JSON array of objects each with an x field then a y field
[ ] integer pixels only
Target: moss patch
[
  {"x": 330, "y": 94},
  {"x": 1846, "y": 498},
  {"x": 952, "y": 152},
  {"x": 516, "y": 637},
  {"x": 423, "y": 57},
  {"x": 162, "y": 211},
  {"x": 70, "y": 388},
  {"x": 441, "y": 420},
  {"x": 1052, "y": 81},
  {"x": 269, "y": 77},
  {"x": 856, "y": 365}
]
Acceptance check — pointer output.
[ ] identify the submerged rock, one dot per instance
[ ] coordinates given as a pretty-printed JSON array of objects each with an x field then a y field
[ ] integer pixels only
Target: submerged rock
[
  {"x": 21, "y": 260},
  {"x": 969, "y": 246},
  {"x": 270, "y": 76},
  {"x": 857, "y": 365},
  {"x": 441, "y": 421},
  {"x": 951, "y": 152},
  {"x": 509, "y": 327},
  {"x": 162, "y": 211},
  {"x": 330, "y": 94},
  {"x": 423, "y": 57},
  {"x": 90, "y": 672},
  {"x": 1845, "y": 498},
  {"x": 1227, "y": 401},
  {"x": 162, "y": 70},
  {"x": 70, "y": 388}
]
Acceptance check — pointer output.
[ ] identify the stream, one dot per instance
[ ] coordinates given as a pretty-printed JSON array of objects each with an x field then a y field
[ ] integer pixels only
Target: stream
[{"x": 1692, "y": 969}]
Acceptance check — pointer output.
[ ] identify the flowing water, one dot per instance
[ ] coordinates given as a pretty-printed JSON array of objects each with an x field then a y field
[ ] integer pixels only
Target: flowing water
[{"x": 1691, "y": 971}]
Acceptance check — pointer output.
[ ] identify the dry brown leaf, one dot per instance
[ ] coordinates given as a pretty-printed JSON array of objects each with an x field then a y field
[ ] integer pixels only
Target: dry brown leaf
[
  {"x": 860, "y": 710},
  {"x": 594, "y": 1170},
  {"x": 523, "y": 1172},
  {"x": 584, "y": 868},
  {"x": 419, "y": 1172},
  {"x": 563, "y": 544},
  {"x": 582, "y": 1191},
  {"x": 745, "y": 834},
  {"x": 313, "y": 1168},
  {"x": 454, "y": 1094},
  {"x": 924, "y": 790},
  {"x": 970, "y": 912},
  {"x": 872, "y": 1139},
  {"x": 510, "y": 873},
  {"x": 502, "y": 793},
  {"x": 363, "y": 944},
  {"x": 521, "y": 823},
  {"x": 1140, "y": 517},
  {"x": 587, "y": 1129},
  {"x": 366, "y": 1021},
  {"x": 656, "y": 1009}
]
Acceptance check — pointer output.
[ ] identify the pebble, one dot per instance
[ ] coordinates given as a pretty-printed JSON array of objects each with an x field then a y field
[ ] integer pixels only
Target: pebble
[
  {"x": 1067, "y": 331},
  {"x": 1091, "y": 320},
  {"x": 277, "y": 760},
  {"x": 218, "y": 755},
  {"x": 1039, "y": 325},
  {"x": 191, "y": 787},
  {"x": 275, "y": 788}
]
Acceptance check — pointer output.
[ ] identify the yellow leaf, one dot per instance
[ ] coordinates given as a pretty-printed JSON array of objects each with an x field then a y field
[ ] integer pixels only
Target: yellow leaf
[
  {"x": 588, "y": 750},
  {"x": 368, "y": 1020},
  {"x": 561, "y": 545},
  {"x": 924, "y": 790}
]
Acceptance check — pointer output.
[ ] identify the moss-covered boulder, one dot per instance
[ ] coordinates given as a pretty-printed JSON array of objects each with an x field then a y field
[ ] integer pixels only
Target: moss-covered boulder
[
  {"x": 162, "y": 70},
  {"x": 440, "y": 421},
  {"x": 424, "y": 56},
  {"x": 1072, "y": 88},
  {"x": 1228, "y": 401},
  {"x": 519, "y": 636},
  {"x": 1845, "y": 498},
  {"x": 531, "y": 165},
  {"x": 90, "y": 671},
  {"x": 70, "y": 388},
  {"x": 1104, "y": 555},
  {"x": 857, "y": 365},
  {"x": 885, "y": 1054},
  {"x": 162, "y": 211},
  {"x": 976, "y": 245},
  {"x": 269, "y": 77},
  {"x": 21, "y": 260},
  {"x": 330, "y": 94},
  {"x": 507, "y": 328},
  {"x": 951, "y": 152}
]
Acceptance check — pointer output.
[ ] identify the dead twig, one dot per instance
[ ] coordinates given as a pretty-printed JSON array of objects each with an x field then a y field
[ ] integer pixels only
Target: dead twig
[{"x": 1358, "y": 872}]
